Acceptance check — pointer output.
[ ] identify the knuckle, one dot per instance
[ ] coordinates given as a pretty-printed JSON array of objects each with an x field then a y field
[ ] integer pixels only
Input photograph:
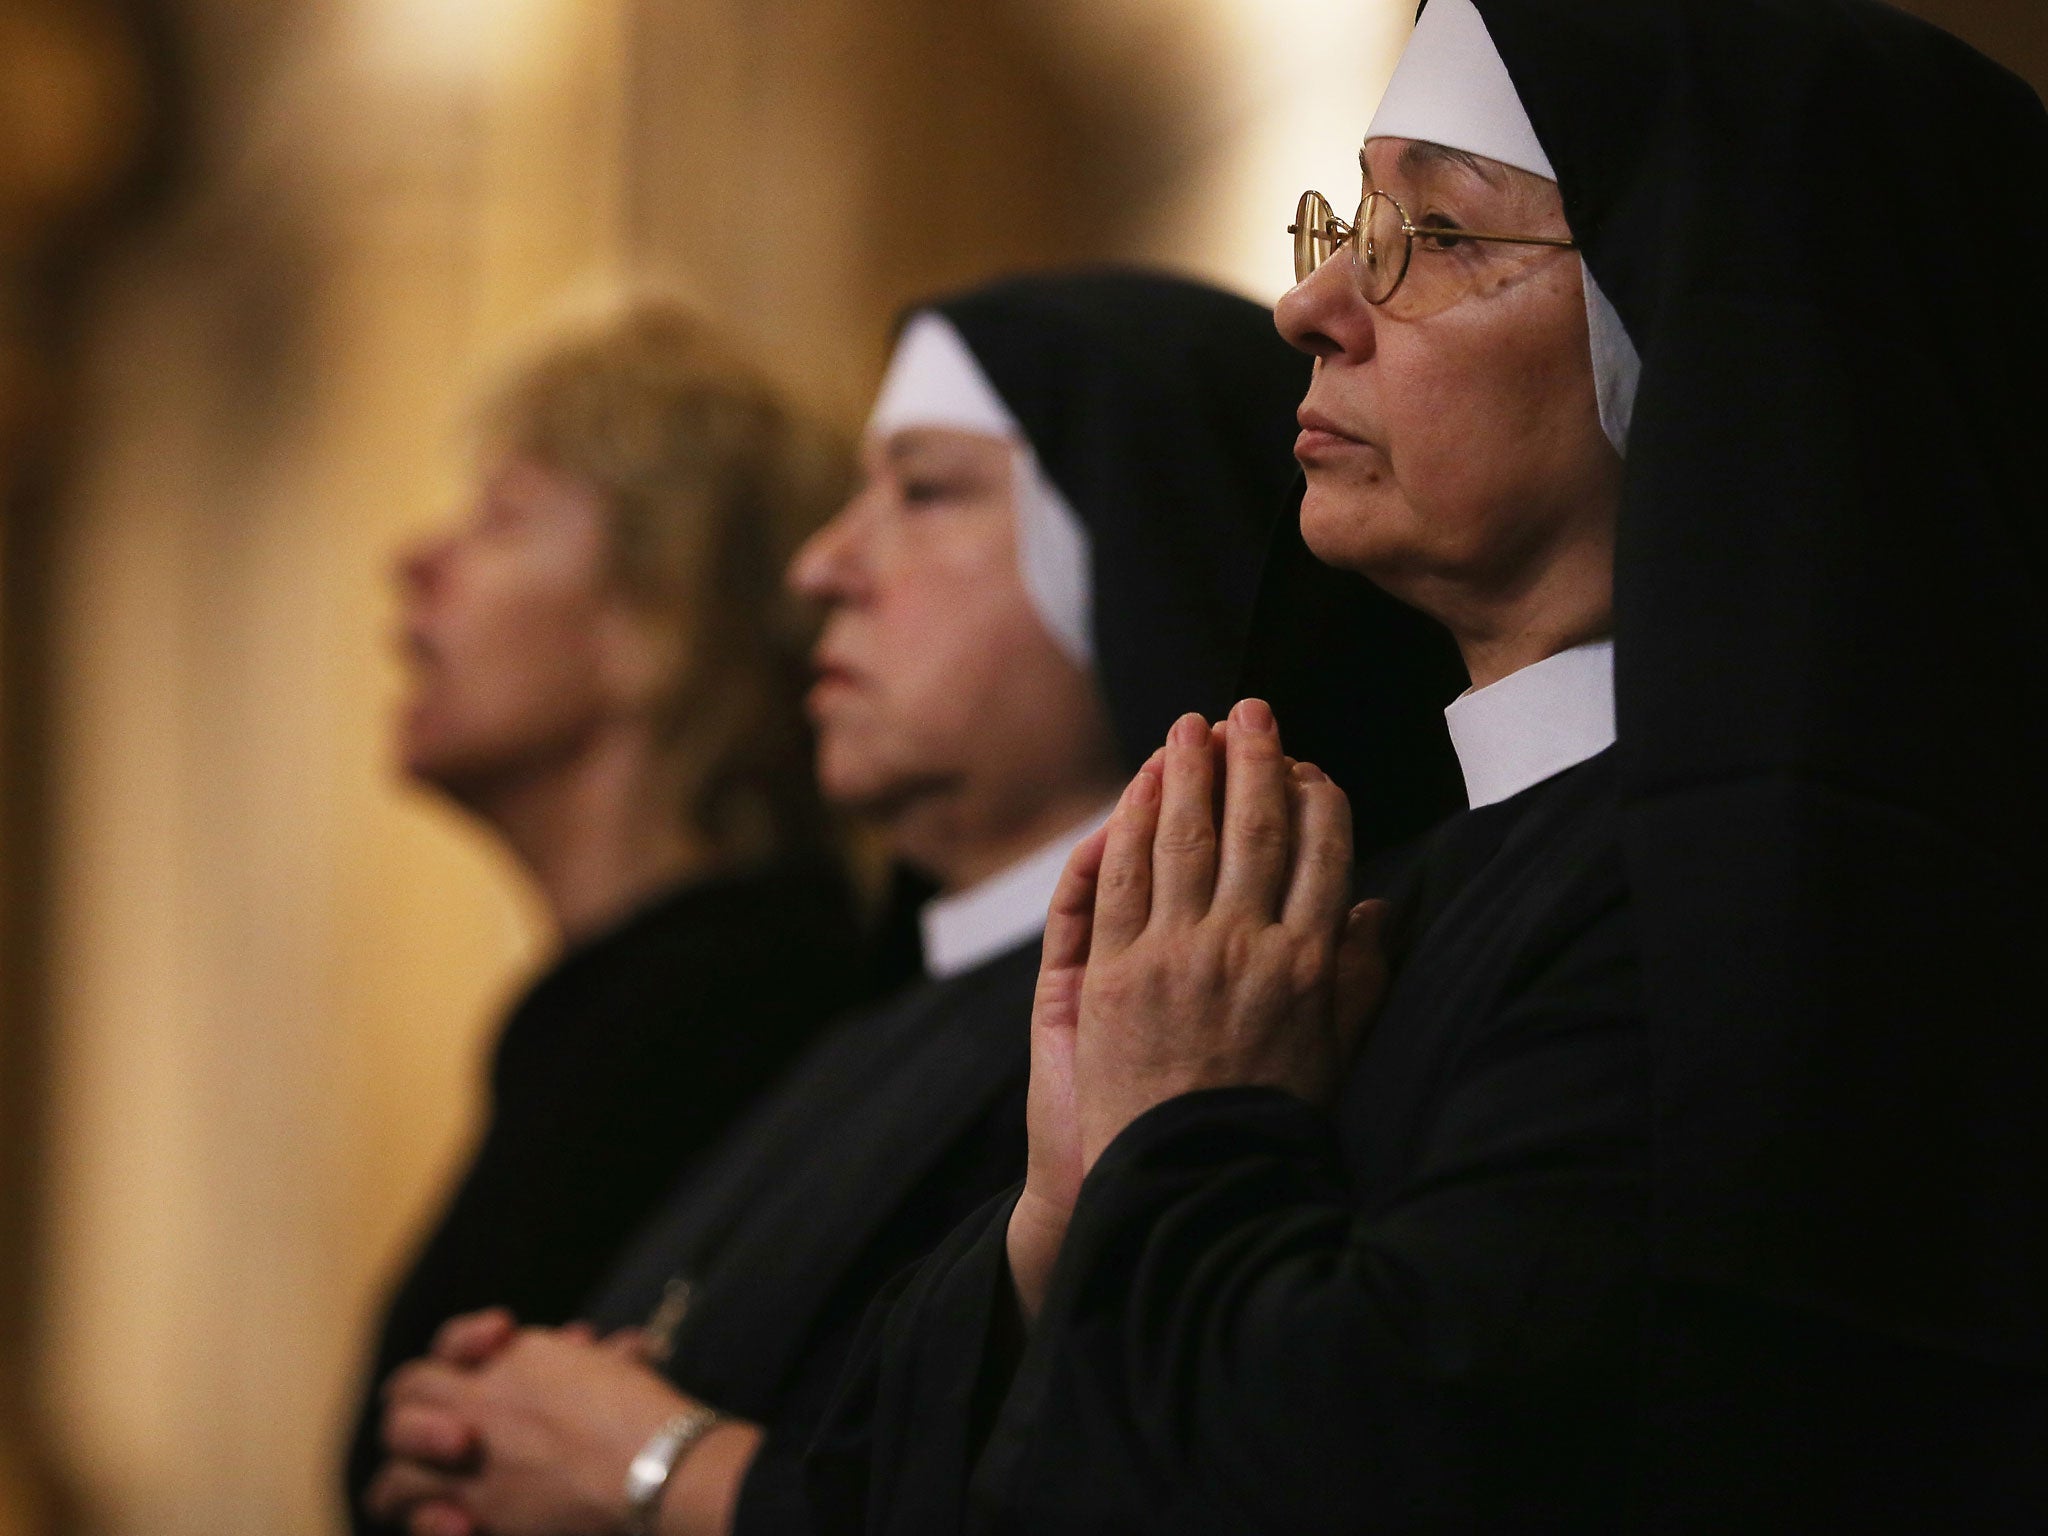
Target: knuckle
[
  {"x": 1327, "y": 850},
  {"x": 1329, "y": 808},
  {"x": 1120, "y": 882},
  {"x": 1237, "y": 949},
  {"x": 1254, "y": 747},
  {"x": 1110, "y": 988},
  {"x": 1262, "y": 827},
  {"x": 1313, "y": 969}
]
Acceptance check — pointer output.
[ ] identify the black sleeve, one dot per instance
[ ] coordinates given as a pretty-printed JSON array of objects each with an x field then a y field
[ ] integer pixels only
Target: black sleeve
[
  {"x": 921, "y": 1389},
  {"x": 811, "y": 1473},
  {"x": 1233, "y": 1342}
]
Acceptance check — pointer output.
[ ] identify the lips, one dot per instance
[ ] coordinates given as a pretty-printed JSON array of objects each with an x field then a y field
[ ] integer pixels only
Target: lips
[
  {"x": 1321, "y": 436},
  {"x": 829, "y": 676},
  {"x": 827, "y": 668}
]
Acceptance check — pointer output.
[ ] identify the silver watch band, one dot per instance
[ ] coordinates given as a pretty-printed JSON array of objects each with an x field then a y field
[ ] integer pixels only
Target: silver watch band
[{"x": 647, "y": 1478}]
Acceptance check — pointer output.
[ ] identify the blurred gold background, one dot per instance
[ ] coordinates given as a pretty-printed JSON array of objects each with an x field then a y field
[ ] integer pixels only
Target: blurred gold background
[{"x": 252, "y": 257}]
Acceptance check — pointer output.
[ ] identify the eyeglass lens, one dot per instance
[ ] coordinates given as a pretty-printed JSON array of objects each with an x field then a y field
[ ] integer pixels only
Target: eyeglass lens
[{"x": 1317, "y": 234}]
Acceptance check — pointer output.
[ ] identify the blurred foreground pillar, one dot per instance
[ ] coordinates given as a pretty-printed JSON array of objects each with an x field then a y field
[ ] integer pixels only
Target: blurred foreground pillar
[{"x": 73, "y": 99}]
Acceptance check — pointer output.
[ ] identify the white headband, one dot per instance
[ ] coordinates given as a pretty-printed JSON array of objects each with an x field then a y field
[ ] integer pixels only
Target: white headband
[
  {"x": 935, "y": 380},
  {"x": 1453, "y": 88}
]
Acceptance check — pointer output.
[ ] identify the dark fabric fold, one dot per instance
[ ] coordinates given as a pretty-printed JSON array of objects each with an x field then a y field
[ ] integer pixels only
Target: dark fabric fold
[{"x": 928, "y": 1374}]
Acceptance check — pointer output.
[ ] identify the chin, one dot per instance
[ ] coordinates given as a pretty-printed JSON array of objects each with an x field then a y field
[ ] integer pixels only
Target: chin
[
  {"x": 436, "y": 770},
  {"x": 419, "y": 756},
  {"x": 874, "y": 785},
  {"x": 459, "y": 769},
  {"x": 1356, "y": 528},
  {"x": 847, "y": 777}
]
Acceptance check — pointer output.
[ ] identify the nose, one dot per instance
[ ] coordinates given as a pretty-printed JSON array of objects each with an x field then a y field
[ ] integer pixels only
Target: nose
[
  {"x": 418, "y": 568},
  {"x": 831, "y": 566},
  {"x": 1326, "y": 316}
]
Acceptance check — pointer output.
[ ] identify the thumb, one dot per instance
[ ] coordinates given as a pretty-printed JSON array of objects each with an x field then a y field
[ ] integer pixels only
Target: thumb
[{"x": 1361, "y": 981}]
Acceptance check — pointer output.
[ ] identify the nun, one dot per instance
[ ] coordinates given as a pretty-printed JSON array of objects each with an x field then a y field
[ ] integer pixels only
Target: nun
[
  {"x": 1070, "y": 485},
  {"x": 1693, "y": 1175}
]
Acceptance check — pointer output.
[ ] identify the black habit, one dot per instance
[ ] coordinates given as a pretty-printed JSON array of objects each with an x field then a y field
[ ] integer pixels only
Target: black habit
[
  {"x": 626, "y": 1060},
  {"x": 1696, "y": 1179},
  {"x": 1163, "y": 411},
  {"x": 1412, "y": 1318}
]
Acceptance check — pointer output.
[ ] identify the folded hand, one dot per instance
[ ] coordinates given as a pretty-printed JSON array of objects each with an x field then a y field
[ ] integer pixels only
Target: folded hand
[
  {"x": 1181, "y": 956},
  {"x": 529, "y": 1433}
]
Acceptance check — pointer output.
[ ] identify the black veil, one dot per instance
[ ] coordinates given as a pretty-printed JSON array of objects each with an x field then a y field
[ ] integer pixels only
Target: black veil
[{"x": 1832, "y": 665}]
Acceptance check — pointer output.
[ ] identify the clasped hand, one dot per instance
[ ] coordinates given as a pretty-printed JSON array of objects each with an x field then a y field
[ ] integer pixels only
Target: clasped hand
[
  {"x": 1180, "y": 955},
  {"x": 509, "y": 1431}
]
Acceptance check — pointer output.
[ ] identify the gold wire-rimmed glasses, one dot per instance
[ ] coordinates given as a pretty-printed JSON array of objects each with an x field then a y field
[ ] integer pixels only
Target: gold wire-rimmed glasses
[{"x": 1380, "y": 259}]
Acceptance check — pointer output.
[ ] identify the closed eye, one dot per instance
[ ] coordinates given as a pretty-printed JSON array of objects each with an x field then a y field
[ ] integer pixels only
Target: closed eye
[
  {"x": 919, "y": 491},
  {"x": 1434, "y": 232}
]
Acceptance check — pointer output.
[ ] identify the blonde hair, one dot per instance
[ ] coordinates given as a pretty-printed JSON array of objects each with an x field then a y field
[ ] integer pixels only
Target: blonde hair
[{"x": 711, "y": 479}]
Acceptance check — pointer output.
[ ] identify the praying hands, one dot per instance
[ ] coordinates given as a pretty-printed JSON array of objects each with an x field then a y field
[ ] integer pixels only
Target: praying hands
[{"x": 1179, "y": 957}]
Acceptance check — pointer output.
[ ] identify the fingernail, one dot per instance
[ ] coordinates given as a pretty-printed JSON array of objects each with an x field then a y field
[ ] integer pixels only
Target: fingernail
[
  {"x": 1255, "y": 715},
  {"x": 1143, "y": 790},
  {"x": 1309, "y": 773},
  {"x": 1190, "y": 731}
]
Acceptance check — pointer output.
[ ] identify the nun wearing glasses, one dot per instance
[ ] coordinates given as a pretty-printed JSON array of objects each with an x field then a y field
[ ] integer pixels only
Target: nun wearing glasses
[
  {"x": 1692, "y": 1173},
  {"x": 1070, "y": 485}
]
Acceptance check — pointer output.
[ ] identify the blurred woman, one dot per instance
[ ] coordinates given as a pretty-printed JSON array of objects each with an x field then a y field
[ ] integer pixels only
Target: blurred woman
[{"x": 605, "y": 676}]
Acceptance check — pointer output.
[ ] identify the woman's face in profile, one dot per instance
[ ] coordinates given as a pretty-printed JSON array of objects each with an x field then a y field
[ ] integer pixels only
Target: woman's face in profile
[
  {"x": 934, "y": 673},
  {"x": 517, "y": 642},
  {"x": 1452, "y": 438}
]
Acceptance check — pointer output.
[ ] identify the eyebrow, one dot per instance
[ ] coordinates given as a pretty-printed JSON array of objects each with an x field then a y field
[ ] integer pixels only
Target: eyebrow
[
  {"x": 909, "y": 442},
  {"x": 912, "y": 444},
  {"x": 1421, "y": 155}
]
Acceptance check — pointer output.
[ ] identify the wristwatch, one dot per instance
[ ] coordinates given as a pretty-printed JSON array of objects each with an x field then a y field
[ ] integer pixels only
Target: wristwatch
[{"x": 647, "y": 1478}]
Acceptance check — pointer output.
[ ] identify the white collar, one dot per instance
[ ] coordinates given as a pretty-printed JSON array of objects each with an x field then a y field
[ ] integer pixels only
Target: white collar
[
  {"x": 1534, "y": 723},
  {"x": 977, "y": 924}
]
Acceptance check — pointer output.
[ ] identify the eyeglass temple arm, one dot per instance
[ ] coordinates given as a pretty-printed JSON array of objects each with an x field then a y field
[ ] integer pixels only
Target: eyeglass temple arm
[
  {"x": 1337, "y": 231},
  {"x": 1452, "y": 232}
]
